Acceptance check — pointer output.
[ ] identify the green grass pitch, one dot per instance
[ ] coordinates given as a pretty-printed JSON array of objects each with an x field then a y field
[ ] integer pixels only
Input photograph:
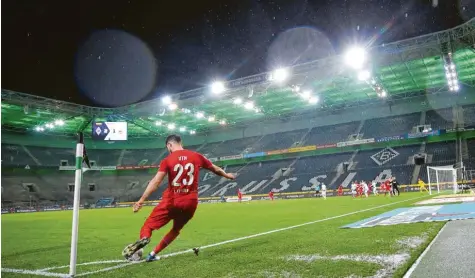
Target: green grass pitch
[{"x": 42, "y": 240}]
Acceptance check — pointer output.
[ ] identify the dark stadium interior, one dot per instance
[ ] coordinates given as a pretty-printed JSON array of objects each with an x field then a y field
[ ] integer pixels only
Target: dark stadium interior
[{"x": 285, "y": 175}]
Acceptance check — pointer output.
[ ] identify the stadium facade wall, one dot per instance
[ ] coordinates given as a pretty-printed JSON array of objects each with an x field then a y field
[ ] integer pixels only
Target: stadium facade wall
[{"x": 375, "y": 110}]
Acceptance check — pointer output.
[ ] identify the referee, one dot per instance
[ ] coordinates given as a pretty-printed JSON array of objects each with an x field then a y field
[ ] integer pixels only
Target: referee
[{"x": 394, "y": 186}]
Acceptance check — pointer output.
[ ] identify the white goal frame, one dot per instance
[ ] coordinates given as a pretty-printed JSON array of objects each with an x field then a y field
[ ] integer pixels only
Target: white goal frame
[{"x": 443, "y": 180}]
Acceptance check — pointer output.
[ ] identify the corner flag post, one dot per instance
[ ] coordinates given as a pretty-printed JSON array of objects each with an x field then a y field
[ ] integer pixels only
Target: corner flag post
[{"x": 77, "y": 191}]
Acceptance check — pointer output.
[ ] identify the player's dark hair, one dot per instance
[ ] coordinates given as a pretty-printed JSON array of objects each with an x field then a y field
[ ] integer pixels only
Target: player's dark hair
[{"x": 173, "y": 138}]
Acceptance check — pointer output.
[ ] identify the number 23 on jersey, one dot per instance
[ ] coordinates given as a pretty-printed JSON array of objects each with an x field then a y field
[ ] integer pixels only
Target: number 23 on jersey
[{"x": 184, "y": 174}]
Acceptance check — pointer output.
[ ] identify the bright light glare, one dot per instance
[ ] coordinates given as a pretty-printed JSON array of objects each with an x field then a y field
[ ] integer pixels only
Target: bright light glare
[
  {"x": 59, "y": 122},
  {"x": 171, "y": 126},
  {"x": 364, "y": 75},
  {"x": 249, "y": 105},
  {"x": 355, "y": 57},
  {"x": 200, "y": 115},
  {"x": 49, "y": 125},
  {"x": 211, "y": 119},
  {"x": 280, "y": 75},
  {"x": 173, "y": 106},
  {"x": 305, "y": 95},
  {"x": 39, "y": 128},
  {"x": 383, "y": 93},
  {"x": 158, "y": 123},
  {"x": 192, "y": 132},
  {"x": 313, "y": 100},
  {"x": 237, "y": 101},
  {"x": 217, "y": 87},
  {"x": 166, "y": 100},
  {"x": 182, "y": 129},
  {"x": 222, "y": 122}
]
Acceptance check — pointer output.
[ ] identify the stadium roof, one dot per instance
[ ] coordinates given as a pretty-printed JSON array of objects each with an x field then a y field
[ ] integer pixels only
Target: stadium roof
[{"x": 403, "y": 69}]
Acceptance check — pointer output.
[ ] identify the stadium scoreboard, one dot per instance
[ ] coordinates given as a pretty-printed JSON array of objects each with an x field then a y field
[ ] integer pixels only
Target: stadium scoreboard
[{"x": 109, "y": 131}]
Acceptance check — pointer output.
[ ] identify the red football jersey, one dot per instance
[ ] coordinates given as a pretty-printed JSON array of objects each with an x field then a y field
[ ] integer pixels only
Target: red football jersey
[{"x": 183, "y": 170}]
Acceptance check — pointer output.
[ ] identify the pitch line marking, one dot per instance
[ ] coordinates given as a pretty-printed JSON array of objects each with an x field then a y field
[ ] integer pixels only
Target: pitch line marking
[
  {"x": 127, "y": 263},
  {"x": 419, "y": 259},
  {"x": 33, "y": 272}
]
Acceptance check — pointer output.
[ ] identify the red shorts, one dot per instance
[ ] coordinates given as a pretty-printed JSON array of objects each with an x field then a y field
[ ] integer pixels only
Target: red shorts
[{"x": 180, "y": 211}]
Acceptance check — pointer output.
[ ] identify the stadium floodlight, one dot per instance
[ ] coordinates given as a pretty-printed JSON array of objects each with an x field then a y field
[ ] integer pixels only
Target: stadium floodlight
[
  {"x": 182, "y": 129},
  {"x": 355, "y": 57},
  {"x": 279, "y": 75},
  {"x": 249, "y": 105},
  {"x": 49, "y": 125},
  {"x": 364, "y": 75},
  {"x": 211, "y": 119},
  {"x": 192, "y": 132},
  {"x": 166, "y": 100},
  {"x": 59, "y": 122},
  {"x": 296, "y": 89},
  {"x": 158, "y": 123},
  {"x": 172, "y": 106},
  {"x": 186, "y": 111},
  {"x": 39, "y": 129},
  {"x": 257, "y": 110},
  {"x": 306, "y": 94},
  {"x": 200, "y": 115},
  {"x": 383, "y": 93},
  {"x": 222, "y": 122},
  {"x": 217, "y": 87},
  {"x": 313, "y": 100},
  {"x": 237, "y": 101},
  {"x": 171, "y": 126}
]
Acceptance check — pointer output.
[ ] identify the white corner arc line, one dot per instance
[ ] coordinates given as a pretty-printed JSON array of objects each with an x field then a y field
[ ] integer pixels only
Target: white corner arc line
[
  {"x": 127, "y": 263},
  {"x": 33, "y": 272},
  {"x": 419, "y": 259}
]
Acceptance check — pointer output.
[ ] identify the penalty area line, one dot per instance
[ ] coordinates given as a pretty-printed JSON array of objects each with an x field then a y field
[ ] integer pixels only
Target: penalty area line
[{"x": 127, "y": 263}]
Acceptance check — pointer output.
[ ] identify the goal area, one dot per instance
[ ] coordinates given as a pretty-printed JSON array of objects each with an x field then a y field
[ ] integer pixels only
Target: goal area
[{"x": 443, "y": 178}]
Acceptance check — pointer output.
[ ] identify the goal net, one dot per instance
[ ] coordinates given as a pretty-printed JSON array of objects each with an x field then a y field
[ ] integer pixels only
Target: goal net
[{"x": 443, "y": 178}]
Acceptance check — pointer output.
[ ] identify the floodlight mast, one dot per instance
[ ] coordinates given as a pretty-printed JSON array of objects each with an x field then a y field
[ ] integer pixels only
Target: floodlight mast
[{"x": 77, "y": 191}]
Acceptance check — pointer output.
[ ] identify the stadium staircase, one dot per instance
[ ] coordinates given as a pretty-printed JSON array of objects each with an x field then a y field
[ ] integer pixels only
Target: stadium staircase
[
  {"x": 25, "y": 149},
  {"x": 121, "y": 157},
  {"x": 417, "y": 168}
]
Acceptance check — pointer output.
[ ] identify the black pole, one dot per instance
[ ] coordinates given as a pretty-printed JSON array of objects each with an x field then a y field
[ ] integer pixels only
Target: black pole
[{"x": 80, "y": 138}]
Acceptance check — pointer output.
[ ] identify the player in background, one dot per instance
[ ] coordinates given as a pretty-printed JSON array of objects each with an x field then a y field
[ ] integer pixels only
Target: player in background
[
  {"x": 353, "y": 189},
  {"x": 239, "y": 193},
  {"x": 324, "y": 191},
  {"x": 365, "y": 188},
  {"x": 422, "y": 186},
  {"x": 359, "y": 189},
  {"x": 179, "y": 200},
  {"x": 375, "y": 188},
  {"x": 395, "y": 186},
  {"x": 317, "y": 190},
  {"x": 271, "y": 195},
  {"x": 340, "y": 190}
]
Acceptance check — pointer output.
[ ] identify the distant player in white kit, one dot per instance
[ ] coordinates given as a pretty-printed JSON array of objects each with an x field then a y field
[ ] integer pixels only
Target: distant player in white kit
[
  {"x": 324, "y": 191},
  {"x": 365, "y": 188},
  {"x": 353, "y": 189},
  {"x": 375, "y": 188}
]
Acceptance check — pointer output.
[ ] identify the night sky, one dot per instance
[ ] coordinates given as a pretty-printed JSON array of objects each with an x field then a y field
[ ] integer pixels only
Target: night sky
[{"x": 117, "y": 52}]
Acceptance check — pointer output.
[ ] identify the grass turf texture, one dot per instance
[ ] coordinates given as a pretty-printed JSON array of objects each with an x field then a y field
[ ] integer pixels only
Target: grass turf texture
[{"x": 40, "y": 240}]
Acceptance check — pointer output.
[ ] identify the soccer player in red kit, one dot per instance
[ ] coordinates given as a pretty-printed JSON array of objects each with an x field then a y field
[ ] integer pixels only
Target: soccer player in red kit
[
  {"x": 179, "y": 200},
  {"x": 239, "y": 195},
  {"x": 340, "y": 190},
  {"x": 271, "y": 195}
]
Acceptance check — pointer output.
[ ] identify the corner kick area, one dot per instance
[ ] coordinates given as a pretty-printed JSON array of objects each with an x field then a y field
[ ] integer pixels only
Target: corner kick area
[{"x": 386, "y": 262}]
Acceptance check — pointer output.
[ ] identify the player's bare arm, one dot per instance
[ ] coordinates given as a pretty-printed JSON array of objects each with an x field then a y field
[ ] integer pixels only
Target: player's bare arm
[
  {"x": 151, "y": 187},
  {"x": 220, "y": 172}
]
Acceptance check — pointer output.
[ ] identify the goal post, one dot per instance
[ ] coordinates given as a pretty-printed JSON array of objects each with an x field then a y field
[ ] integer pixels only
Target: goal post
[{"x": 443, "y": 178}]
